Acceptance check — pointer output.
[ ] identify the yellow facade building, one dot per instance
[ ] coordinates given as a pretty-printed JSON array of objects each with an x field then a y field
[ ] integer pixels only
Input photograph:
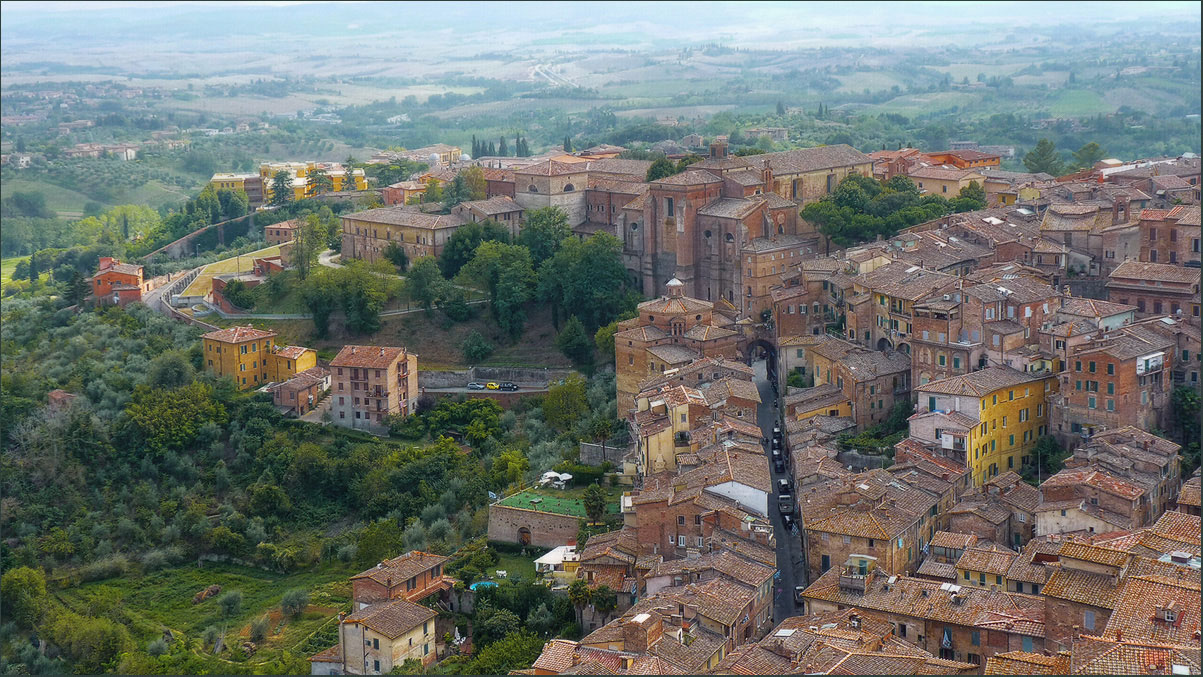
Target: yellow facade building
[
  {"x": 285, "y": 362},
  {"x": 300, "y": 171},
  {"x": 993, "y": 417},
  {"x": 242, "y": 353}
]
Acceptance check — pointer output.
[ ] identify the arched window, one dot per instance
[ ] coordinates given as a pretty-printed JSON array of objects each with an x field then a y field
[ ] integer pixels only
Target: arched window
[
  {"x": 707, "y": 234},
  {"x": 532, "y": 188},
  {"x": 781, "y": 230},
  {"x": 568, "y": 188},
  {"x": 730, "y": 237},
  {"x": 634, "y": 227}
]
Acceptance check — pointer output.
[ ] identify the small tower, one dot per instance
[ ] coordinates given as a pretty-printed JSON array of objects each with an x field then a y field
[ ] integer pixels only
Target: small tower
[
  {"x": 718, "y": 148},
  {"x": 676, "y": 288}
]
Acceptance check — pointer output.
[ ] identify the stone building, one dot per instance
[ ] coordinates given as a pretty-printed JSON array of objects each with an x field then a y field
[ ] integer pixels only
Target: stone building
[
  {"x": 1156, "y": 288},
  {"x": 367, "y": 234},
  {"x": 371, "y": 383},
  {"x": 1170, "y": 235}
]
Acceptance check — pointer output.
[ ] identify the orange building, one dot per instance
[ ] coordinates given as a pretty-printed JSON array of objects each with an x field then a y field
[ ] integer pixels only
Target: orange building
[
  {"x": 371, "y": 383},
  {"x": 964, "y": 159},
  {"x": 117, "y": 283},
  {"x": 242, "y": 353}
]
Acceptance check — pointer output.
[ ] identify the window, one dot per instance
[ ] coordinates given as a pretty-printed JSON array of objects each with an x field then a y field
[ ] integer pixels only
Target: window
[
  {"x": 681, "y": 540},
  {"x": 681, "y": 520},
  {"x": 826, "y": 564},
  {"x": 966, "y": 575},
  {"x": 1091, "y": 367},
  {"x": 1027, "y": 643},
  {"x": 981, "y": 578},
  {"x": 975, "y": 638},
  {"x": 376, "y": 666},
  {"x": 376, "y": 645}
]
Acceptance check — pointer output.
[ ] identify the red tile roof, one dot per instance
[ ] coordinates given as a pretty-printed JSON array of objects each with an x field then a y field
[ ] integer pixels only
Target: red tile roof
[{"x": 239, "y": 334}]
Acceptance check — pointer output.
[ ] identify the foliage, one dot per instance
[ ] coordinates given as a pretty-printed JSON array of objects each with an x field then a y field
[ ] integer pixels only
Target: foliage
[
  {"x": 237, "y": 293},
  {"x": 461, "y": 246},
  {"x": 1044, "y": 158},
  {"x": 493, "y": 624},
  {"x": 1184, "y": 401},
  {"x": 515, "y": 651},
  {"x": 378, "y": 541},
  {"x": 861, "y": 208},
  {"x": 1086, "y": 156},
  {"x": 564, "y": 405},
  {"x": 661, "y": 168},
  {"x": 475, "y": 348},
  {"x": 171, "y": 419},
  {"x": 359, "y": 288},
  {"x": 281, "y": 188},
  {"x": 93, "y": 644},
  {"x": 395, "y": 254},
  {"x": 505, "y": 271},
  {"x": 595, "y": 502},
  {"x": 170, "y": 370},
  {"x": 294, "y": 601},
  {"x": 542, "y": 232},
  {"x": 603, "y": 339},
  {"x": 425, "y": 283},
  {"x": 575, "y": 343},
  {"x": 589, "y": 277},
  {"x": 230, "y": 602},
  {"x": 23, "y": 594}
]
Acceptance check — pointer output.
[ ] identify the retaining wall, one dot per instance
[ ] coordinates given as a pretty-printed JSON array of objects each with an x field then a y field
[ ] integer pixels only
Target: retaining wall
[
  {"x": 596, "y": 454},
  {"x": 547, "y": 530}
]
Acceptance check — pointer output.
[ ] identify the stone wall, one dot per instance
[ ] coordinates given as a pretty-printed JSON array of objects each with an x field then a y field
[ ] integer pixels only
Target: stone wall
[
  {"x": 443, "y": 379},
  {"x": 523, "y": 376},
  {"x": 1087, "y": 288},
  {"x": 547, "y": 530},
  {"x": 596, "y": 454}
]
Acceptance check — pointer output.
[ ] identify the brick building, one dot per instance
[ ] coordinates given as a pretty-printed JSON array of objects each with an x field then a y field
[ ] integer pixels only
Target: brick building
[
  {"x": 367, "y": 234},
  {"x": 301, "y": 393},
  {"x": 872, "y": 381},
  {"x": 413, "y": 576},
  {"x": 1139, "y": 457},
  {"x": 1114, "y": 379},
  {"x": 1170, "y": 235},
  {"x": 279, "y": 233},
  {"x": 1156, "y": 288},
  {"x": 370, "y": 383},
  {"x": 881, "y": 304},
  {"x": 117, "y": 283}
]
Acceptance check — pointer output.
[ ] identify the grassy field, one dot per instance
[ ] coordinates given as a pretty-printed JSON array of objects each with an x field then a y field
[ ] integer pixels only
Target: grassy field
[
  {"x": 7, "y": 266},
  {"x": 1078, "y": 102},
  {"x": 238, "y": 264},
  {"x": 66, "y": 202},
  {"x": 558, "y": 501},
  {"x": 163, "y": 599}
]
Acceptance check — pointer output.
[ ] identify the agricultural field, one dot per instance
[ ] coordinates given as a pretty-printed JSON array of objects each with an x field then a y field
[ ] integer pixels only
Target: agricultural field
[
  {"x": 7, "y": 266},
  {"x": 64, "y": 201},
  {"x": 1078, "y": 102},
  {"x": 153, "y": 602}
]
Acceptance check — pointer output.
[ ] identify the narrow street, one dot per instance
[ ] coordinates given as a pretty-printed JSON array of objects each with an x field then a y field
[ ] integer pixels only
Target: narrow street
[{"x": 790, "y": 565}]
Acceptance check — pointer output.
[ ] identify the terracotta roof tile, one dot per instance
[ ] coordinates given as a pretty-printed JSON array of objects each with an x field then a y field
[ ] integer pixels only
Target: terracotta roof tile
[
  {"x": 239, "y": 334},
  {"x": 371, "y": 357},
  {"x": 393, "y": 619}
]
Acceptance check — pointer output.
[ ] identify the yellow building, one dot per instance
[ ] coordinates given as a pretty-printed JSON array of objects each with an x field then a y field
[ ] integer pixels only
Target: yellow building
[
  {"x": 242, "y": 353},
  {"x": 993, "y": 417},
  {"x": 284, "y": 363},
  {"x": 945, "y": 182},
  {"x": 300, "y": 171},
  {"x": 230, "y": 181},
  {"x": 662, "y": 418}
]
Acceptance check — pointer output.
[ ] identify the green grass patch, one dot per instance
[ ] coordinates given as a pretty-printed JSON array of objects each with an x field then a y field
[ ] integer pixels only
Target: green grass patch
[
  {"x": 163, "y": 599},
  {"x": 1079, "y": 102},
  {"x": 560, "y": 502},
  {"x": 63, "y": 200},
  {"x": 7, "y": 266}
]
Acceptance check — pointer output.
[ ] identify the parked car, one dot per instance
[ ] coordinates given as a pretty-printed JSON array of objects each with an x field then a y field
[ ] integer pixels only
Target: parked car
[
  {"x": 785, "y": 504},
  {"x": 776, "y": 442},
  {"x": 492, "y": 386},
  {"x": 476, "y": 386},
  {"x": 784, "y": 488},
  {"x": 787, "y": 521},
  {"x": 509, "y": 387},
  {"x": 778, "y": 464},
  {"x": 798, "y": 589},
  {"x": 776, "y": 431}
]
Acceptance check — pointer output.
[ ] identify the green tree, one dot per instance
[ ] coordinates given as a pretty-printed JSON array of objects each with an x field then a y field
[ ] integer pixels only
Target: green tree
[
  {"x": 509, "y": 466},
  {"x": 541, "y": 620},
  {"x": 474, "y": 183},
  {"x": 502, "y": 149},
  {"x": 1184, "y": 401},
  {"x": 505, "y": 271},
  {"x": 93, "y": 644},
  {"x": 294, "y": 602},
  {"x": 259, "y": 629},
  {"x": 281, "y": 192},
  {"x": 170, "y": 370},
  {"x": 605, "y": 601},
  {"x": 379, "y": 541},
  {"x": 543, "y": 232},
  {"x": 395, "y": 254},
  {"x": 230, "y": 603},
  {"x": 425, "y": 282},
  {"x": 78, "y": 288},
  {"x": 579, "y": 594},
  {"x": 171, "y": 419},
  {"x": 475, "y": 348},
  {"x": 575, "y": 343},
  {"x": 1044, "y": 158},
  {"x": 35, "y": 269},
  {"x": 1086, "y": 156},
  {"x": 348, "y": 184},
  {"x": 320, "y": 295},
  {"x": 1047, "y": 456},
  {"x": 318, "y": 182},
  {"x": 662, "y": 168},
  {"x": 564, "y": 405},
  {"x": 23, "y": 593},
  {"x": 514, "y": 651},
  {"x": 604, "y": 340},
  {"x": 310, "y": 240},
  {"x": 456, "y": 191},
  {"x": 780, "y": 108},
  {"x": 595, "y": 502},
  {"x": 461, "y": 246},
  {"x": 589, "y": 277},
  {"x": 975, "y": 193}
]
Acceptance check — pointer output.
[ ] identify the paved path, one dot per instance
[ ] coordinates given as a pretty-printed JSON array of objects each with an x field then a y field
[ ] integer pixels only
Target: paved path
[
  {"x": 324, "y": 259},
  {"x": 790, "y": 565}
]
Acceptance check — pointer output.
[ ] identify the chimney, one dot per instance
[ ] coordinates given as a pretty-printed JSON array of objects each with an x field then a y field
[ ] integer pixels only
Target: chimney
[
  {"x": 642, "y": 632},
  {"x": 341, "y": 616},
  {"x": 382, "y": 351}
]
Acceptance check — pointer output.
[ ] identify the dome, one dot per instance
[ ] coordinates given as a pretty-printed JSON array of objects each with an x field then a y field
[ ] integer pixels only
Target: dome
[
  {"x": 464, "y": 157},
  {"x": 433, "y": 158}
]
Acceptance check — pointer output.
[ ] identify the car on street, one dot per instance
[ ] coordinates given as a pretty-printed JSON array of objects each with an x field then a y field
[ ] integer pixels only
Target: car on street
[
  {"x": 776, "y": 431},
  {"x": 784, "y": 488},
  {"x": 798, "y": 589},
  {"x": 492, "y": 386},
  {"x": 787, "y": 521},
  {"x": 778, "y": 464},
  {"x": 777, "y": 443},
  {"x": 476, "y": 386},
  {"x": 785, "y": 503},
  {"x": 509, "y": 387}
]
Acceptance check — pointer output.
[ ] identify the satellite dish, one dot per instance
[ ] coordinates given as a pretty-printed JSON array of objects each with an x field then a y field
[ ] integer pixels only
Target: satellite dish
[
  {"x": 464, "y": 157},
  {"x": 433, "y": 158}
]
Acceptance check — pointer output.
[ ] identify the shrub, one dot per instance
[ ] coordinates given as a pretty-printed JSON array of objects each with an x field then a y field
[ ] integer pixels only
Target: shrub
[
  {"x": 259, "y": 629},
  {"x": 109, "y": 567},
  {"x": 476, "y": 348},
  {"x": 294, "y": 601},
  {"x": 157, "y": 648},
  {"x": 230, "y": 603}
]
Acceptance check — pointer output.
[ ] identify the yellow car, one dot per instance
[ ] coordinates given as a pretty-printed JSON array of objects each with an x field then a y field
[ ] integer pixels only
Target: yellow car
[{"x": 492, "y": 386}]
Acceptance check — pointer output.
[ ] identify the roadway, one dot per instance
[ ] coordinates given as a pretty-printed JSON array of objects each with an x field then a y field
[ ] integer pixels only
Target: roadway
[{"x": 791, "y": 566}]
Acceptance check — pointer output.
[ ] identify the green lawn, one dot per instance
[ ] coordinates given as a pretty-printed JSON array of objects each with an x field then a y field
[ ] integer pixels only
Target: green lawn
[
  {"x": 235, "y": 264},
  {"x": 163, "y": 599},
  {"x": 560, "y": 502},
  {"x": 7, "y": 266},
  {"x": 65, "y": 201},
  {"x": 1078, "y": 102}
]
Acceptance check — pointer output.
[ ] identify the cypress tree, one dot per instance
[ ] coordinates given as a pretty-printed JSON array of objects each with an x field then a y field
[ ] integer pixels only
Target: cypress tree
[
  {"x": 33, "y": 267},
  {"x": 502, "y": 150}
]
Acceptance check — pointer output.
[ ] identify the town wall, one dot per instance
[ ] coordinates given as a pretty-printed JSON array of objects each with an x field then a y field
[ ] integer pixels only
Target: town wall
[{"x": 547, "y": 530}]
